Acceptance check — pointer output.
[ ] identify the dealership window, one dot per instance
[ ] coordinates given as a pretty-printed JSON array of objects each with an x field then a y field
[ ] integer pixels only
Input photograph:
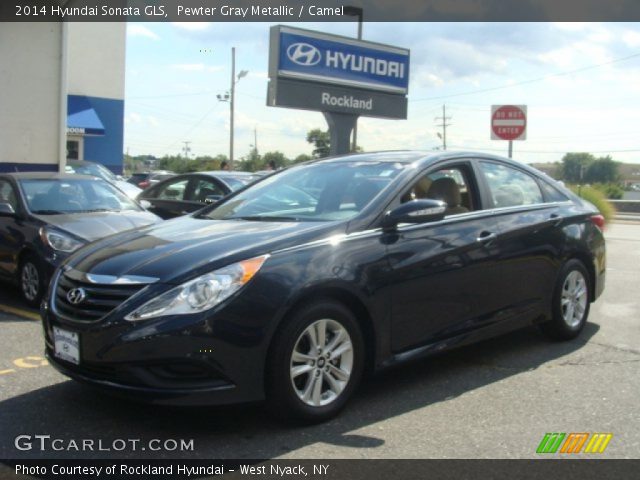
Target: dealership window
[{"x": 510, "y": 187}]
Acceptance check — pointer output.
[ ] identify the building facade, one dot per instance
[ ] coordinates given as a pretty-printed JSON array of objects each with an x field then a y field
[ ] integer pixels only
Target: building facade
[{"x": 62, "y": 92}]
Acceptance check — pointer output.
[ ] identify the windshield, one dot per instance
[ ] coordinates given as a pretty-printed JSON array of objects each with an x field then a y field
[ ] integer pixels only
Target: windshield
[
  {"x": 56, "y": 196},
  {"x": 95, "y": 170},
  {"x": 317, "y": 192}
]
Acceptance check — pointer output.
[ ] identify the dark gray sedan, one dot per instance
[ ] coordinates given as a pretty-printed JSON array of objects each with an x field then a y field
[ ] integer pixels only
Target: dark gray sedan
[
  {"x": 44, "y": 217},
  {"x": 189, "y": 192}
]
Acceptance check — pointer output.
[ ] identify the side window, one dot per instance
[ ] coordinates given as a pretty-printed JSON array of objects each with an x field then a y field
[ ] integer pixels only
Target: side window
[
  {"x": 510, "y": 187},
  {"x": 8, "y": 195},
  {"x": 552, "y": 194},
  {"x": 172, "y": 191},
  {"x": 450, "y": 184},
  {"x": 202, "y": 189}
]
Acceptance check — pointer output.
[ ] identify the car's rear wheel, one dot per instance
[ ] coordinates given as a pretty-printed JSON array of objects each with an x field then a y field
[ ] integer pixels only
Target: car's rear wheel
[
  {"x": 316, "y": 363},
  {"x": 31, "y": 280},
  {"x": 570, "y": 308}
]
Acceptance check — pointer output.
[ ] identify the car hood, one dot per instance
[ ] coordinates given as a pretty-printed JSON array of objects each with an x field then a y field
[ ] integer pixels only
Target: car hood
[
  {"x": 182, "y": 248},
  {"x": 129, "y": 189},
  {"x": 92, "y": 226}
]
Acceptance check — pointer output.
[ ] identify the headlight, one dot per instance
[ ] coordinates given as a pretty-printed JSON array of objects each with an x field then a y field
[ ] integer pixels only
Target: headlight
[
  {"x": 201, "y": 293},
  {"x": 59, "y": 241}
]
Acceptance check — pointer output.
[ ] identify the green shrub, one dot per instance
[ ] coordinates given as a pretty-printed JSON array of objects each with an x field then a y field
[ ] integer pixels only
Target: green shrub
[
  {"x": 611, "y": 190},
  {"x": 599, "y": 200}
]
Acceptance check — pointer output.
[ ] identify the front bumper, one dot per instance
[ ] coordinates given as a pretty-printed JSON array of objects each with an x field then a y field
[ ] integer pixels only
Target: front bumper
[{"x": 209, "y": 359}]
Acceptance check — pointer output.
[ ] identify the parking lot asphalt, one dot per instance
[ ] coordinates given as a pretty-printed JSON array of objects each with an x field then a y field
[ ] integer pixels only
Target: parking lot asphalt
[{"x": 496, "y": 399}]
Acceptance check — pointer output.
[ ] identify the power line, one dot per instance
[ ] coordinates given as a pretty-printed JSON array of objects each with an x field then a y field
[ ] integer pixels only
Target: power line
[{"x": 525, "y": 82}]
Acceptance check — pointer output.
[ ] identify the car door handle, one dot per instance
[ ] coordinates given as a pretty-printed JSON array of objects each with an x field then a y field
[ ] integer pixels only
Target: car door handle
[{"x": 486, "y": 237}]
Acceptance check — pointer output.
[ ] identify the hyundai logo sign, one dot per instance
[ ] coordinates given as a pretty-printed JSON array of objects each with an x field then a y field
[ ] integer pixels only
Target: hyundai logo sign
[
  {"x": 76, "y": 296},
  {"x": 320, "y": 57},
  {"x": 304, "y": 54}
]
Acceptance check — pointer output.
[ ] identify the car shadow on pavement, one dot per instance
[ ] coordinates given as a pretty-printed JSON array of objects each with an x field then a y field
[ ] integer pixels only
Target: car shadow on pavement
[{"x": 68, "y": 410}]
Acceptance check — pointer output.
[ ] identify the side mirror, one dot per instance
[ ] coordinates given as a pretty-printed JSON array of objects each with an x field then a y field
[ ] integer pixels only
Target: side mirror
[
  {"x": 416, "y": 211},
  {"x": 6, "y": 210},
  {"x": 145, "y": 203},
  {"x": 212, "y": 199}
]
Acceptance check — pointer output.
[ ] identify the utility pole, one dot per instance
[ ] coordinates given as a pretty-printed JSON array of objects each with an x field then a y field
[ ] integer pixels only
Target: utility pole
[
  {"x": 255, "y": 139},
  {"x": 186, "y": 149},
  {"x": 444, "y": 126}
]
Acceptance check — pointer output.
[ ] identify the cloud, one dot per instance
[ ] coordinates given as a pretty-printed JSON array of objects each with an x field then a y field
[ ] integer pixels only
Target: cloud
[{"x": 137, "y": 30}]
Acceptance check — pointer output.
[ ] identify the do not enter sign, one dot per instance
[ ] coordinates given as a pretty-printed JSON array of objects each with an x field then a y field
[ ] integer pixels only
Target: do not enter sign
[{"x": 508, "y": 122}]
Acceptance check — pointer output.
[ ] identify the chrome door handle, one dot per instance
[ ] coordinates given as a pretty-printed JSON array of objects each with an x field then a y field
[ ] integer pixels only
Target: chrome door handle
[{"x": 486, "y": 237}]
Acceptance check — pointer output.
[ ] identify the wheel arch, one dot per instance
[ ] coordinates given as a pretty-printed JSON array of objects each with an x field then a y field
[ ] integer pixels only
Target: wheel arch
[
  {"x": 348, "y": 299},
  {"x": 587, "y": 261}
]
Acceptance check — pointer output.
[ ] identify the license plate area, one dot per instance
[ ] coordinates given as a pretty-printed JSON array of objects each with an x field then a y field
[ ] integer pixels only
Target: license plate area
[{"x": 66, "y": 345}]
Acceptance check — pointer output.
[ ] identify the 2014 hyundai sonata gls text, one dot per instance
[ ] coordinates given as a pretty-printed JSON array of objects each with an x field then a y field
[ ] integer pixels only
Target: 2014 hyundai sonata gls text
[{"x": 291, "y": 289}]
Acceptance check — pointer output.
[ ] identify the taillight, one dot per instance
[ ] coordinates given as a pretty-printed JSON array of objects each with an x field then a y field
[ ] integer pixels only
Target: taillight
[{"x": 598, "y": 221}]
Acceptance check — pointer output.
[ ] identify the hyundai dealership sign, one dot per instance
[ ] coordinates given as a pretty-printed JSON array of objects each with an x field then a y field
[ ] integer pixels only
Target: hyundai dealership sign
[
  {"x": 330, "y": 73},
  {"x": 338, "y": 60}
]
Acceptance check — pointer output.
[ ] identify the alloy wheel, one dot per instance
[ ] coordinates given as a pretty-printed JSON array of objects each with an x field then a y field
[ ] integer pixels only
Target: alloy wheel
[
  {"x": 574, "y": 299},
  {"x": 321, "y": 362}
]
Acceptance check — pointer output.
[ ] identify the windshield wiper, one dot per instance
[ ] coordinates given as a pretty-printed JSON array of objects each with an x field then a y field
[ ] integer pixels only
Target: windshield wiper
[
  {"x": 265, "y": 218},
  {"x": 48, "y": 212}
]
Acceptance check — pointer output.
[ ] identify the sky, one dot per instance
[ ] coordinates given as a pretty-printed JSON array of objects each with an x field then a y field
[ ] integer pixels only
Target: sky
[{"x": 580, "y": 82}]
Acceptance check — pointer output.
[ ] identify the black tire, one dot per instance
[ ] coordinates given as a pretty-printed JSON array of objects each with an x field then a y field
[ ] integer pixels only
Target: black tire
[
  {"x": 563, "y": 326},
  {"x": 283, "y": 391},
  {"x": 32, "y": 289}
]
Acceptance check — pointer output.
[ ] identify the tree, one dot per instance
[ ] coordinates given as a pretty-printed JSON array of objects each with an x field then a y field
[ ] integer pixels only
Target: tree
[
  {"x": 574, "y": 166},
  {"x": 602, "y": 170},
  {"x": 321, "y": 141},
  {"x": 303, "y": 157}
]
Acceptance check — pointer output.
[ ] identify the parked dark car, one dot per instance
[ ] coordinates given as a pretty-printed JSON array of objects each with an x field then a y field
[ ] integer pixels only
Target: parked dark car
[
  {"x": 183, "y": 194},
  {"x": 44, "y": 217},
  {"x": 292, "y": 288}
]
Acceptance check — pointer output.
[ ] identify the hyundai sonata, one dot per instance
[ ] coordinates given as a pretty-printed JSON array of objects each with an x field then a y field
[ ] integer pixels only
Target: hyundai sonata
[{"x": 293, "y": 288}]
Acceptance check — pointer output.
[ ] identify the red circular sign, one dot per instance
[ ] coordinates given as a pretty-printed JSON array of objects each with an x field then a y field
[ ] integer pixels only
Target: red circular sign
[{"x": 508, "y": 122}]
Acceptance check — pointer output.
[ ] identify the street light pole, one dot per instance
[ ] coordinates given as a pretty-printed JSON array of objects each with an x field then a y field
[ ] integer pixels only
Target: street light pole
[
  {"x": 230, "y": 96},
  {"x": 356, "y": 12},
  {"x": 232, "y": 104}
]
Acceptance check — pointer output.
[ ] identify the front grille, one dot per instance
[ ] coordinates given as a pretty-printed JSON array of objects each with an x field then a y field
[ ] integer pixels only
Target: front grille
[{"x": 100, "y": 299}]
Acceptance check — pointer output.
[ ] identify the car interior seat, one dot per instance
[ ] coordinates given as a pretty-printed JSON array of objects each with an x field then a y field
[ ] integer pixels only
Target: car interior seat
[{"x": 447, "y": 190}]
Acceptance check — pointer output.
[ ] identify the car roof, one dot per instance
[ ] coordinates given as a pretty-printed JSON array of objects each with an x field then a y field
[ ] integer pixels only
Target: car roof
[
  {"x": 423, "y": 159},
  {"x": 49, "y": 176}
]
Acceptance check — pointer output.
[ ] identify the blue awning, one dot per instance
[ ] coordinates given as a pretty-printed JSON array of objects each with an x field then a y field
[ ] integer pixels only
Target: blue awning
[{"x": 82, "y": 119}]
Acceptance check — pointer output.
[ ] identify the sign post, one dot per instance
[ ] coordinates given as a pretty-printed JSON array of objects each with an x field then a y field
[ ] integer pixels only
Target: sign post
[
  {"x": 339, "y": 76},
  {"x": 509, "y": 122}
]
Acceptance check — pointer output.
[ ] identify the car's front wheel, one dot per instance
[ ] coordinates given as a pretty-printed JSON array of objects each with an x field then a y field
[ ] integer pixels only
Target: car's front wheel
[
  {"x": 570, "y": 307},
  {"x": 316, "y": 363},
  {"x": 31, "y": 280}
]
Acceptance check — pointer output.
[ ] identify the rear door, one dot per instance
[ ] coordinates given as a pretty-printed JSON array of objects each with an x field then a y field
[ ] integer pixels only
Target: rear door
[
  {"x": 530, "y": 237},
  {"x": 443, "y": 275}
]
